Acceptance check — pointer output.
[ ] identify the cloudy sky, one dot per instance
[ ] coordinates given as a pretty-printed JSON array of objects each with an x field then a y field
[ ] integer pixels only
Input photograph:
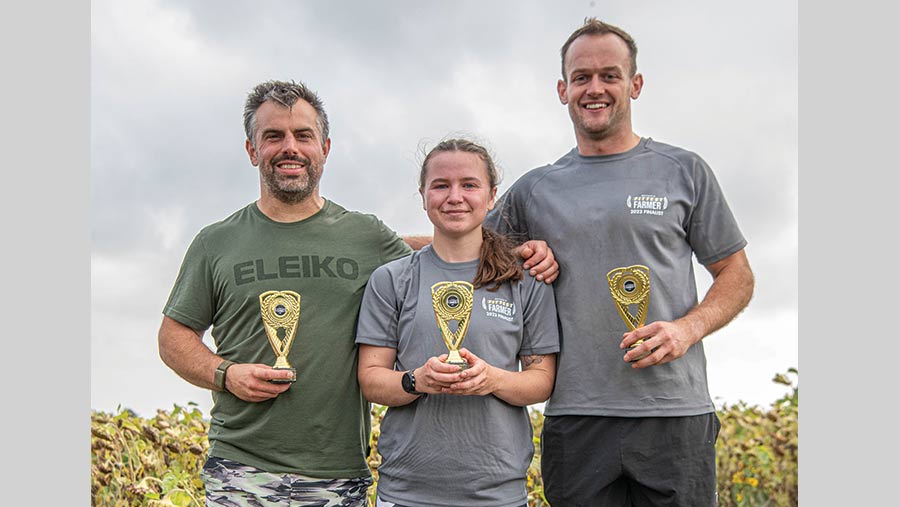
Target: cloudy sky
[{"x": 168, "y": 81}]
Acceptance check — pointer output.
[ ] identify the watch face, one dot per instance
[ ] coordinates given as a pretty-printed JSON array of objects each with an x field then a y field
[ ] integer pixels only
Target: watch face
[{"x": 407, "y": 383}]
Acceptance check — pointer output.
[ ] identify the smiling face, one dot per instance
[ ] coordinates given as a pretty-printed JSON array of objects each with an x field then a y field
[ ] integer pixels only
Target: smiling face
[
  {"x": 599, "y": 87},
  {"x": 457, "y": 193},
  {"x": 288, "y": 149}
]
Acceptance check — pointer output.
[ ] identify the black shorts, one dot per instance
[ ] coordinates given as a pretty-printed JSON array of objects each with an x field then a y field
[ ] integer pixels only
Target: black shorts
[{"x": 622, "y": 461}]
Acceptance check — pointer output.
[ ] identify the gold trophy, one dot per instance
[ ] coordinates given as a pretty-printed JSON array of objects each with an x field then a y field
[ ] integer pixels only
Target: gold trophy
[
  {"x": 280, "y": 312},
  {"x": 631, "y": 286},
  {"x": 453, "y": 301}
]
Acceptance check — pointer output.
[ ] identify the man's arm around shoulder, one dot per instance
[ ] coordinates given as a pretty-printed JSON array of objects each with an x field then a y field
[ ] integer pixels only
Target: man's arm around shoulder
[{"x": 539, "y": 259}]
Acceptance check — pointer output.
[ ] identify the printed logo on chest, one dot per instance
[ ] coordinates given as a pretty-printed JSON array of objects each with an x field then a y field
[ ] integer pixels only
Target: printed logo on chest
[
  {"x": 647, "y": 204},
  {"x": 499, "y": 308},
  {"x": 295, "y": 266}
]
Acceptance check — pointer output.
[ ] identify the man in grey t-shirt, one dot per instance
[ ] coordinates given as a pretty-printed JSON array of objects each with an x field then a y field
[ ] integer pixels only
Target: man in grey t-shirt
[{"x": 628, "y": 427}]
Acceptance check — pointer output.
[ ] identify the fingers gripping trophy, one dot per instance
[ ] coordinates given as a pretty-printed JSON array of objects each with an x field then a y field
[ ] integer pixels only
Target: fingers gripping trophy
[
  {"x": 452, "y": 301},
  {"x": 280, "y": 313}
]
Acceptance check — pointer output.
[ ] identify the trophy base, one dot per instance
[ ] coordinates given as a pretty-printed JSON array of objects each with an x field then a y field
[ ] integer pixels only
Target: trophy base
[
  {"x": 461, "y": 364},
  {"x": 285, "y": 380},
  {"x": 456, "y": 360},
  {"x": 639, "y": 357}
]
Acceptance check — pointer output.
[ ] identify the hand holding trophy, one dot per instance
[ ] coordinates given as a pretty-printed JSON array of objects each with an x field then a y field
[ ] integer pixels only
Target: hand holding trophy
[
  {"x": 631, "y": 286},
  {"x": 452, "y": 301},
  {"x": 280, "y": 313}
]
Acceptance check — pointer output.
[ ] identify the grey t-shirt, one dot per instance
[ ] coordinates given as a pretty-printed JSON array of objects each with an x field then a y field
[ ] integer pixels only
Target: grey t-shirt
[
  {"x": 448, "y": 450},
  {"x": 655, "y": 205}
]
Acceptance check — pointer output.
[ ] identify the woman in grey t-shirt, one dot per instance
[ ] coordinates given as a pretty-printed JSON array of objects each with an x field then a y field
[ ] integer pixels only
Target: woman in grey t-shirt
[{"x": 457, "y": 436}]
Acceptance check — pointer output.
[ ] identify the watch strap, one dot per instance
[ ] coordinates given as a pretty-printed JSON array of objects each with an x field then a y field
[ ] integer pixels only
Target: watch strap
[
  {"x": 219, "y": 379},
  {"x": 409, "y": 383}
]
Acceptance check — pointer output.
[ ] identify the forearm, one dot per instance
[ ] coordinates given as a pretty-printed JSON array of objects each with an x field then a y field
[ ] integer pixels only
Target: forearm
[
  {"x": 523, "y": 388},
  {"x": 182, "y": 349},
  {"x": 533, "y": 384},
  {"x": 417, "y": 242},
  {"x": 728, "y": 295},
  {"x": 383, "y": 386}
]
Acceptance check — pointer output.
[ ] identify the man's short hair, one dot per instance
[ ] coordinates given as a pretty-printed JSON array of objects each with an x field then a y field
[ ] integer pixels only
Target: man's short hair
[
  {"x": 593, "y": 26},
  {"x": 286, "y": 94}
]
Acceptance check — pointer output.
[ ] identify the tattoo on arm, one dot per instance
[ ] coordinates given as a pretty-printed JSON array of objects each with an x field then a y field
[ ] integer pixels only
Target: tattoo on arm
[{"x": 530, "y": 360}]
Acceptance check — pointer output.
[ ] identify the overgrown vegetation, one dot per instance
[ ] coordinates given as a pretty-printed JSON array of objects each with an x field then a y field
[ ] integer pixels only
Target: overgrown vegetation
[
  {"x": 148, "y": 462},
  {"x": 756, "y": 454},
  {"x": 138, "y": 462}
]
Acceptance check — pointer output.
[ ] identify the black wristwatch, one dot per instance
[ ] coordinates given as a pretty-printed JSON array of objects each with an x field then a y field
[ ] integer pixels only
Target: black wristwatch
[
  {"x": 219, "y": 379},
  {"x": 409, "y": 383}
]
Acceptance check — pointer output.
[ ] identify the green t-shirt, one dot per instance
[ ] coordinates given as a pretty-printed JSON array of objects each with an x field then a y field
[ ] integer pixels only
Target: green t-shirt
[{"x": 320, "y": 426}]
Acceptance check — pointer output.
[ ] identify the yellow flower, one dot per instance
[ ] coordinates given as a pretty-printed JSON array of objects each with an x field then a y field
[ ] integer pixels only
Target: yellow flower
[
  {"x": 737, "y": 478},
  {"x": 740, "y": 497},
  {"x": 753, "y": 481}
]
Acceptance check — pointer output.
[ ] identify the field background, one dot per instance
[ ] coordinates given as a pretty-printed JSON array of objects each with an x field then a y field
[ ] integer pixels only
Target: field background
[{"x": 156, "y": 461}]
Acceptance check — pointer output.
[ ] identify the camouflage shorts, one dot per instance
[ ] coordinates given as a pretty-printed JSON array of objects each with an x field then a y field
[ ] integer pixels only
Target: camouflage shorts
[{"x": 232, "y": 484}]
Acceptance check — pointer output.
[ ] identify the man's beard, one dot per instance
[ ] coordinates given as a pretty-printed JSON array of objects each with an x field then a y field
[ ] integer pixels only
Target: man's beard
[{"x": 293, "y": 189}]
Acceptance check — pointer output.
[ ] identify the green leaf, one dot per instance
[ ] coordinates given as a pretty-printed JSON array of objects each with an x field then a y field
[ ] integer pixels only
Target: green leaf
[{"x": 179, "y": 497}]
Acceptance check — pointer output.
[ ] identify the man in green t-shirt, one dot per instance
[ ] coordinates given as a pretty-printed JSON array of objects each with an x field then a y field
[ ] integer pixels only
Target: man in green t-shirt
[{"x": 279, "y": 436}]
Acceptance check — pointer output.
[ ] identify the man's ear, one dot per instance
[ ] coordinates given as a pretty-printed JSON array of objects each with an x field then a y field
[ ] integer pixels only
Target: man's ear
[
  {"x": 562, "y": 91},
  {"x": 326, "y": 149},
  {"x": 637, "y": 84},
  {"x": 251, "y": 151}
]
